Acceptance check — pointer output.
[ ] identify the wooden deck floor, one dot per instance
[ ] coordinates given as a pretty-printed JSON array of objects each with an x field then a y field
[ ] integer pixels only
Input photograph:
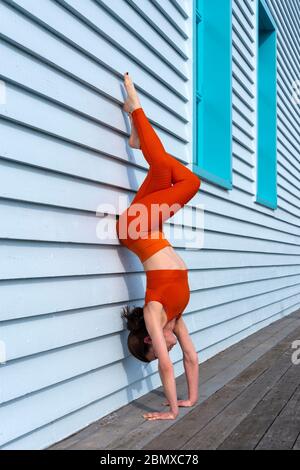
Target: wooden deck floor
[{"x": 249, "y": 399}]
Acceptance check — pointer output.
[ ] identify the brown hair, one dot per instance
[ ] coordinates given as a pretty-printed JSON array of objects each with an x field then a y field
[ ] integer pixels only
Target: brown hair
[{"x": 138, "y": 332}]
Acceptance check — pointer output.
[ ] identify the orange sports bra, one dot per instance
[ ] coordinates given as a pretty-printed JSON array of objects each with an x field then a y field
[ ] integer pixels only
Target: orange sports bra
[{"x": 170, "y": 287}]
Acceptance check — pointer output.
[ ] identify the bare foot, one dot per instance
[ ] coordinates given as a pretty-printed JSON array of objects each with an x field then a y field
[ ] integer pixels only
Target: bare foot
[
  {"x": 132, "y": 102},
  {"x": 134, "y": 140}
]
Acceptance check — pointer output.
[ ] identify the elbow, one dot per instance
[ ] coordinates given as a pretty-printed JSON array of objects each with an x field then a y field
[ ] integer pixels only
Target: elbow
[{"x": 165, "y": 365}]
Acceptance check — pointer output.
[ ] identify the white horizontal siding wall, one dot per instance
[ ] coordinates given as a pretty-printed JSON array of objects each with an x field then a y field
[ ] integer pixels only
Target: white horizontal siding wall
[{"x": 63, "y": 152}]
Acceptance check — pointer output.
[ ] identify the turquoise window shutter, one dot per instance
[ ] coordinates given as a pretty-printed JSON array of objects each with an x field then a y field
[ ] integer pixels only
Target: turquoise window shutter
[
  {"x": 213, "y": 91},
  {"x": 266, "y": 189}
]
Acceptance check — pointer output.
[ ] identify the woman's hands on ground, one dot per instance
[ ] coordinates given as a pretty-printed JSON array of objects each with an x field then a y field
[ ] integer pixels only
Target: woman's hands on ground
[
  {"x": 185, "y": 403},
  {"x": 160, "y": 415},
  {"x": 168, "y": 414}
]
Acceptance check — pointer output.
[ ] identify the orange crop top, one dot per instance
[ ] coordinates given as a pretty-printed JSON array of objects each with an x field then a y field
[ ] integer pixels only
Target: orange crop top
[
  {"x": 170, "y": 287},
  {"x": 144, "y": 247}
]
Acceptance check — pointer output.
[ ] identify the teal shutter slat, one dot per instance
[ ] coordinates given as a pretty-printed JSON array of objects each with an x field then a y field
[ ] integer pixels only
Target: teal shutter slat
[
  {"x": 213, "y": 91},
  {"x": 266, "y": 190}
]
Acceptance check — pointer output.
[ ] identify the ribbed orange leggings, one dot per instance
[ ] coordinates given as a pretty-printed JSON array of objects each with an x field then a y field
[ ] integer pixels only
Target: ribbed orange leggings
[{"x": 168, "y": 186}]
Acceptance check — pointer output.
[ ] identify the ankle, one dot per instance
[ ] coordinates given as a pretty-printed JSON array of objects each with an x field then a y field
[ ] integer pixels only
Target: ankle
[{"x": 135, "y": 107}]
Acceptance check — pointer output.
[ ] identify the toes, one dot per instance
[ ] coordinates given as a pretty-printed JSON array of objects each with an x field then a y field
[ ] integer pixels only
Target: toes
[{"x": 127, "y": 79}]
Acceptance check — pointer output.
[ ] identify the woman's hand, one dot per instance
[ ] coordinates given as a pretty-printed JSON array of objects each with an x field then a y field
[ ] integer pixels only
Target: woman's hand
[
  {"x": 185, "y": 403},
  {"x": 160, "y": 415}
]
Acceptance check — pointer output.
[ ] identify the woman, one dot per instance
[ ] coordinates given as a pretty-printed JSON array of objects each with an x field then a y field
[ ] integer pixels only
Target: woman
[{"x": 157, "y": 325}]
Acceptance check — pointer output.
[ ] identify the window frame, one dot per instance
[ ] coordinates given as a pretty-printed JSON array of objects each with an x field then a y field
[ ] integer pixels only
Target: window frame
[
  {"x": 266, "y": 118},
  {"x": 222, "y": 178}
]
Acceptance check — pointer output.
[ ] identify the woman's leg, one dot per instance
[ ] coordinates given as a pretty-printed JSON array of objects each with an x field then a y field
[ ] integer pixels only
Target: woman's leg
[
  {"x": 164, "y": 171},
  {"x": 159, "y": 174}
]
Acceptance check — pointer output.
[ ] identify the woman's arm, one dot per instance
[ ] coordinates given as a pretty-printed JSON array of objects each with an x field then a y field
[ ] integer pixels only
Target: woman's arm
[
  {"x": 192, "y": 376},
  {"x": 152, "y": 319},
  {"x": 169, "y": 384},
  {"x": 190, "y": 359}
]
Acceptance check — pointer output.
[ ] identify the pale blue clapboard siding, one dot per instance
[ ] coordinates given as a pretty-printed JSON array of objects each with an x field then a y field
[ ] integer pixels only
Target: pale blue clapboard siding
[{"x": 63, "y": 152}]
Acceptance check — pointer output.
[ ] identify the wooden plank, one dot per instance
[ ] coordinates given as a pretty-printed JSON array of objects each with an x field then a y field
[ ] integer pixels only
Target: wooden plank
[
  {"x": 297, "y": 444},
  {"x": 161, "y": 24},
  {"x": 74, "y": 127},
  {"x": 100, "y": 20},
  {"x": 215, "y": 432},
  {"x": 121, "y": 422},
  {"x": 21, "y": 259},
  {"x": 214, "y": 365},
  {"x": 40, "y": 297},
  {"x": 113, "y": 425},
  {"x": 130, "y": 18},
  {"x": 286, "y": 428},
  {"x": 268, "y": 336},
  {"x": 57, "y": 155},
  {"x": 70, "y": 50},
  {"x": 114, "y": 433},
  {"x": 169, "y": 11},
  {"x": 95, "y": 103},
  {"x": 249, "y": 434}
]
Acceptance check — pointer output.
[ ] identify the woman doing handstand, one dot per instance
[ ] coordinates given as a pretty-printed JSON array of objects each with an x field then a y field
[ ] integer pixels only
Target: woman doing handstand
[{"x": 156, "y": 327}]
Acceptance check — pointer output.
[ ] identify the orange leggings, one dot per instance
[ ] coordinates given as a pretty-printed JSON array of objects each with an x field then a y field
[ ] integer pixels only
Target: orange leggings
[{"x": 168, "y": 183}]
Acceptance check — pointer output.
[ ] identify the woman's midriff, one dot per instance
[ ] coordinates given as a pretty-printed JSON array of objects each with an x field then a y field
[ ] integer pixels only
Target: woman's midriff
[
  {"x": 153, "y": 250},
  {"x": 166, "y": 258}
]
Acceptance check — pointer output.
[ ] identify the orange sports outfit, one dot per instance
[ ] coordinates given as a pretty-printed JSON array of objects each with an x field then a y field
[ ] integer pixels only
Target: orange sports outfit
[{"x": 167, "y": 187}]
